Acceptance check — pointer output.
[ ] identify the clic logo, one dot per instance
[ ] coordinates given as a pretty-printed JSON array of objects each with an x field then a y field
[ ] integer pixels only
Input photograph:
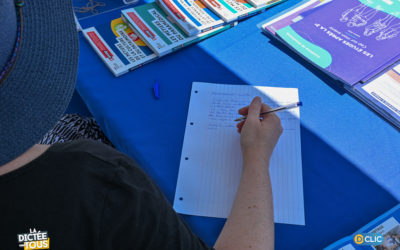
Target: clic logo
[{"x": 369, "y": 239}]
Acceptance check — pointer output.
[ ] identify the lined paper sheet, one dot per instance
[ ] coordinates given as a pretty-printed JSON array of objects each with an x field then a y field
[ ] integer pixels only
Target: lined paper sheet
[{"x": 211, "y": 159}]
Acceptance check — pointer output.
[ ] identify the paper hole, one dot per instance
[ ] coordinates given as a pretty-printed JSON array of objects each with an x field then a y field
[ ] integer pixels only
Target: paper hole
[
  {"x": 191, "y": 123},
  {"x": 196, "y": 91},
  {"x": 180, "y": 198},
  {"x": 186, "y": 158}
]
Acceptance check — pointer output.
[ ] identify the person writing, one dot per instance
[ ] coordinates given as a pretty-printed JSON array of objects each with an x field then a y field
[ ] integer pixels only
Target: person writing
[
  {"x": 84, "y": 194},
  {"x": 250, "y": 224}
]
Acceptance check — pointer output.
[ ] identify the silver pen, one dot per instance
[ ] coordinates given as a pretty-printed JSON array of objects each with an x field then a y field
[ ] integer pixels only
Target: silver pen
[{"x": 289, "y": 106}]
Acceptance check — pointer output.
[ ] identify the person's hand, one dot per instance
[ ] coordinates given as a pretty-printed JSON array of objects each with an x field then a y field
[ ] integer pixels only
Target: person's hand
[{"x": 258, "y": 137}]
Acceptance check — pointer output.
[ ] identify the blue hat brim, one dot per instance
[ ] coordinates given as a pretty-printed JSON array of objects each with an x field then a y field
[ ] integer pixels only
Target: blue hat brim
[{"x": 38, "y": 89}]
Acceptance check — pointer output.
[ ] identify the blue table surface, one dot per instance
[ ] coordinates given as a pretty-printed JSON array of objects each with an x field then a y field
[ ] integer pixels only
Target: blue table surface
[{"x": 351, "y": 157}]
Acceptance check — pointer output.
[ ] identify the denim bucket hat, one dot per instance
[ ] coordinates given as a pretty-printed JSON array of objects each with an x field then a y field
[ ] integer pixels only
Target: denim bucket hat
[{"x": 38, "y": 66}]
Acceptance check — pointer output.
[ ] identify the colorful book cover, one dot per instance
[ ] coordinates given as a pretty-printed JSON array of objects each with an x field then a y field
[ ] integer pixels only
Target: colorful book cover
[
  {"x": 232, "y": 10},
  {"x": 191, "y": 15},
  {"x": 290, "y": 16},
  {"x": 161, "y": 35},
  {"x": 349, "y": 39},
  {"x": 118, "y": 46},
  {"x": 380, "y": 234}
]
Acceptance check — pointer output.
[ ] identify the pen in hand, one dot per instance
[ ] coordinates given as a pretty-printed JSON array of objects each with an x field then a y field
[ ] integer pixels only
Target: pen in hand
[{"x": 289, "y": 106}]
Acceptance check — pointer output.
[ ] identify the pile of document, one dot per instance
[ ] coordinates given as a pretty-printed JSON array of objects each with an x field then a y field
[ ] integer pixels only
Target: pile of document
[
  {"x": 353, "y": 41},
  {"x": 152, "y": 30}
]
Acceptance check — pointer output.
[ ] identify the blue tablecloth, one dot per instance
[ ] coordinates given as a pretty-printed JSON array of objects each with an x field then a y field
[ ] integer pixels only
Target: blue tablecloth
[{"x": 351, "y": 157}]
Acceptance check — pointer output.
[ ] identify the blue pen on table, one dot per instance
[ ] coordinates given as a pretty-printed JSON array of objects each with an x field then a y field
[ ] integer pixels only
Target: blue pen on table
[
  {"x": 289, "y": 106},
  {"x": 156, "y": 90}
]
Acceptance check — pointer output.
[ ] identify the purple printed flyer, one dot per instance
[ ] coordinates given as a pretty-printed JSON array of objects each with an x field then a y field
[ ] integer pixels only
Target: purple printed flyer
[{"x": 350, "y": 39}]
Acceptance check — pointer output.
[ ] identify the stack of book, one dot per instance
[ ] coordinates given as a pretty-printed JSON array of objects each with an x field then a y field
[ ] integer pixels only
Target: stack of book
[
  {"x": 147, "y": 32},
  {"x": 353, "y": 41}
]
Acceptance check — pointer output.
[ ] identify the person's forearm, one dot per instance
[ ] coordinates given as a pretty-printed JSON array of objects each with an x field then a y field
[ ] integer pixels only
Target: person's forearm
[{"x": 250, "y": 224}]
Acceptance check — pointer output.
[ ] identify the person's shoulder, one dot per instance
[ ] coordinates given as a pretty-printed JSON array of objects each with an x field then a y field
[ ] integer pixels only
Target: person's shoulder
[{"x": 90, "y": 149}]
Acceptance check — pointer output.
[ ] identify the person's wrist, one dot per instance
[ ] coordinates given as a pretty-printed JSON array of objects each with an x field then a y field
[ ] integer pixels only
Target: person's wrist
[
  {"x": 256, "y": 157},
  {"x": 256, "y": 151}
]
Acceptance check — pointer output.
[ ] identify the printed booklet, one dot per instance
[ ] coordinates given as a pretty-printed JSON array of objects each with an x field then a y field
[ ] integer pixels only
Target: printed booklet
[
  {"x": 381, "y": 233},
  {"x": 118, "y": 46},
  {"x": 153, "y": 26},
  {"x": 351, "y": 40},
  {"x": 232, "y": 10},
  {"x": 191, "y": 15}
]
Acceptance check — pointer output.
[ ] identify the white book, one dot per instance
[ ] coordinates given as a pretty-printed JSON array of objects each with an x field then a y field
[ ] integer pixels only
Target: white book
[
  {"x": 262, "y": 3},
  {"x": 190, "y": 15},
  {"x": 232, "y": 10},
  {"x": 118, "y": 46},
  {"x": 229, "y": 10}
]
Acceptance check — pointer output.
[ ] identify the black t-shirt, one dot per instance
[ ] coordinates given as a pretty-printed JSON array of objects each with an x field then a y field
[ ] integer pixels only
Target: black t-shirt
[{"x": 85, "y": 195}]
